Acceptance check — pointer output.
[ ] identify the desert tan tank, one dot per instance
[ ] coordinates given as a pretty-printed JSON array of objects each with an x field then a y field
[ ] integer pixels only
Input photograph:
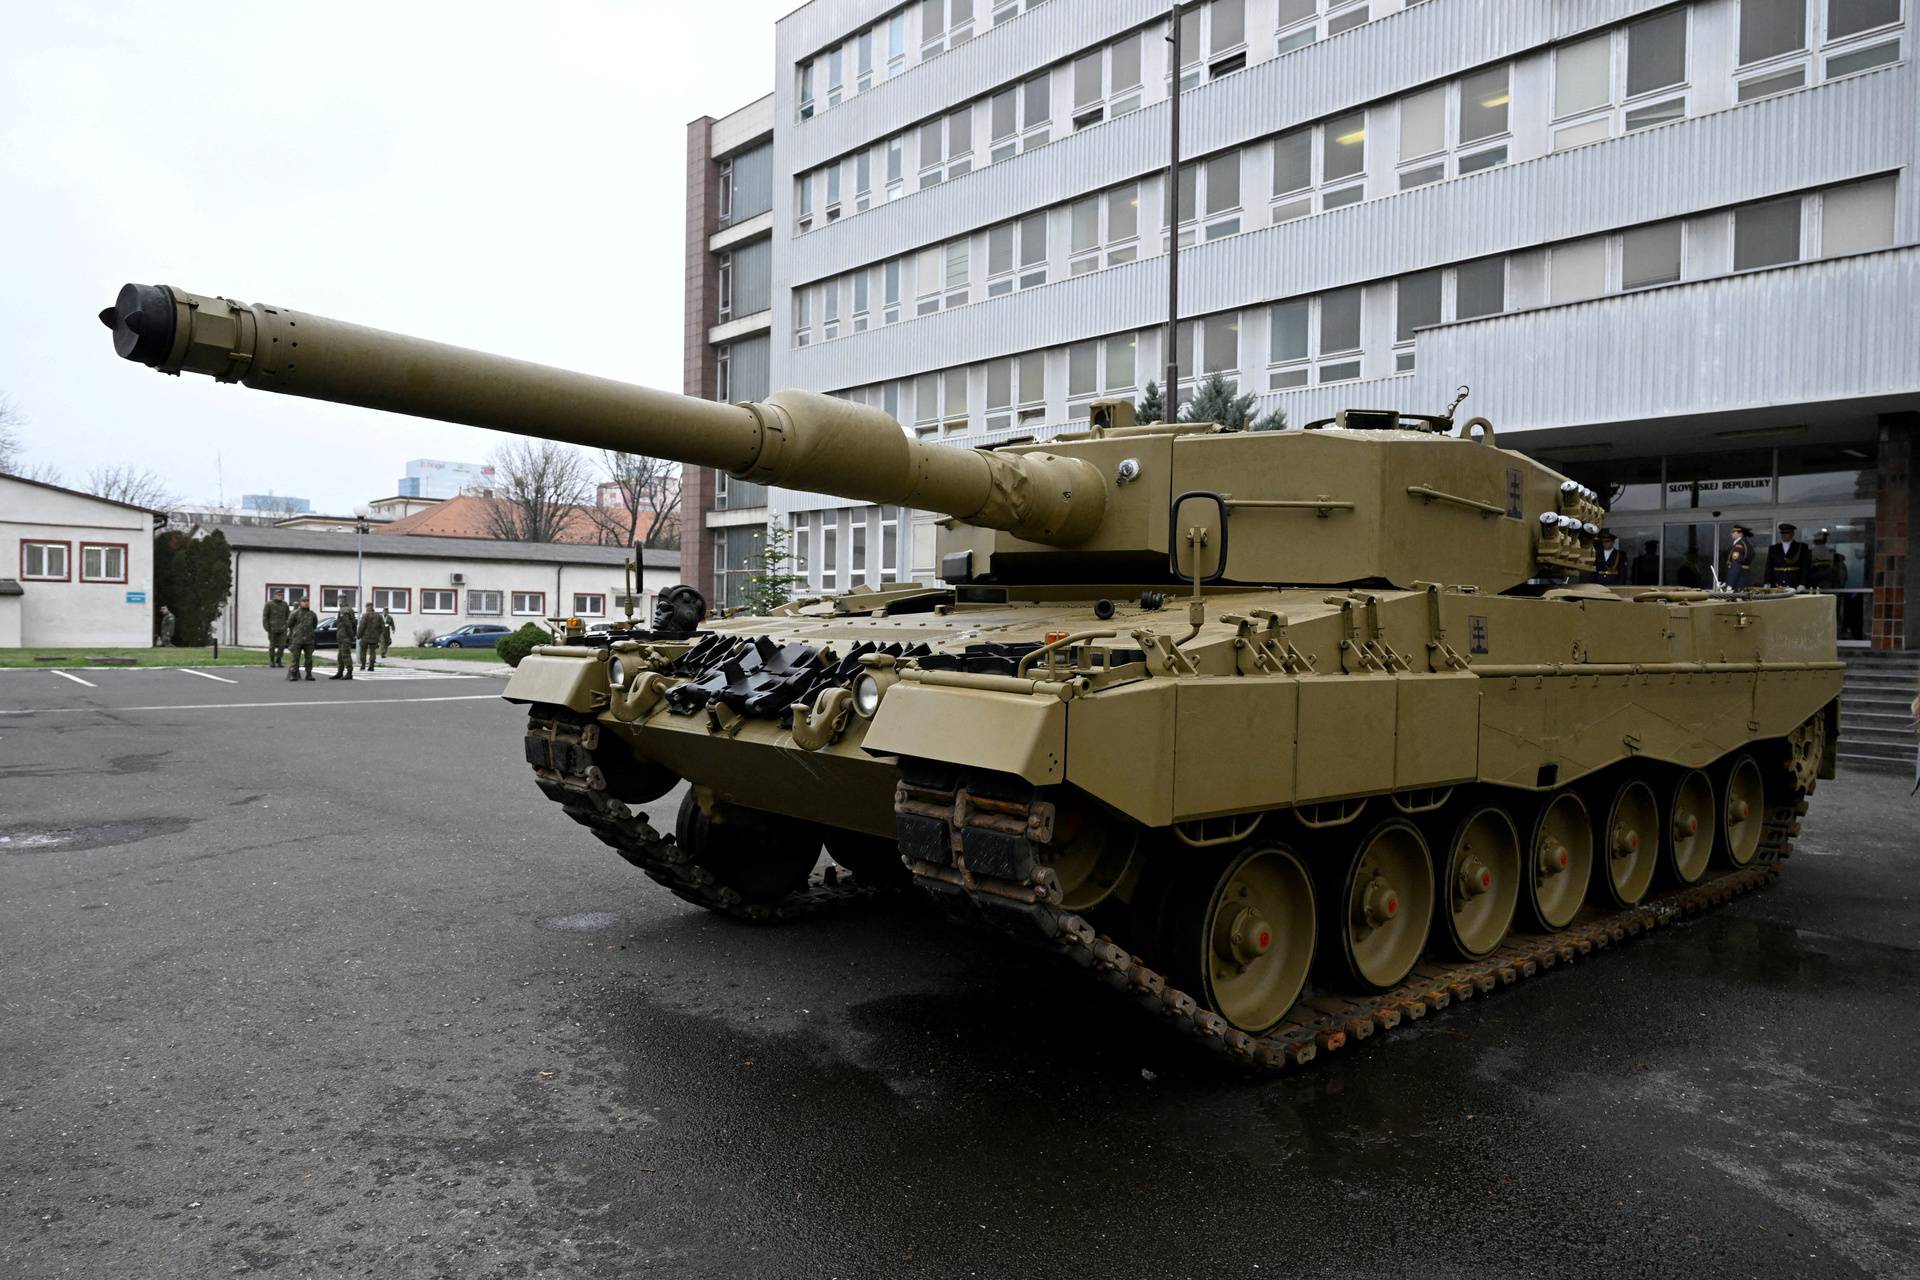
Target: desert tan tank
[{"x": 1287, "y": 736}]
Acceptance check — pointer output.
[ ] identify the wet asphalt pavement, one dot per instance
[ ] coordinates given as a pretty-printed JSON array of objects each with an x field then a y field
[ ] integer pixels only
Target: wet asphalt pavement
[{"x": 327, "y": 989}]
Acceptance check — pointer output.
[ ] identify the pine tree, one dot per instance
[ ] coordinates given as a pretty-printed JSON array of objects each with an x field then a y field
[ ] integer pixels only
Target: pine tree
[
  {"x": 193, "y": 577},
  {"x": 769, "y": 585},
  {"x": 1273, "y": 420},
  {"x": 1150, "y": 409},
  {"x": 1216, "y": 400}
]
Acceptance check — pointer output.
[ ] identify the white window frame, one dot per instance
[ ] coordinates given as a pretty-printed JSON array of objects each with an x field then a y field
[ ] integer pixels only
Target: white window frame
[
  {"x": 803, "y": 203},
  {"x": 723, "y": 287},
  {"x": 1197, "y": 51},
  {"x": 1106, "y": 383},
  {"x": 1318, "y": 365},
  {"x": 1614, "y": 117},
  {"x": 1320, "y": 193},
  {"x": 478, "y": 599},
  {"x": 1811, "y": 62},
  {"x": 107, "y": 550},
  {"x": 387, "y": 605},
  {"x": 46, "y": 549},
  {"x": 1454, "y": 157},
  {"x": 803, "y": 90},
  {"x": 1194, "y": 365},
  {"x": 538, "y": 610},
  {"x": 430, "y": 597},
  {"x": 1026, "y": 261},
  {"x": 333, "y": 599},
  {"x": 1323, "y": 18},
  {"x": 1207, "y": 222},
  {"x": 598, "y": 608},
  {"x": 1027, "y": 132}
]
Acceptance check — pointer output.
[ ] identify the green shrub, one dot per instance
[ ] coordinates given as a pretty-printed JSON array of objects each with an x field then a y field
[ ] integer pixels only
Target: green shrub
[{"x": 518, "y": 645}]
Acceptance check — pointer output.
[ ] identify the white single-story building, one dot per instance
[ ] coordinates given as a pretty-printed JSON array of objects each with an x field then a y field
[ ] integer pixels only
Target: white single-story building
[
  {"x": 76, "y": 571},
  {"x": 433, "y": 584}
]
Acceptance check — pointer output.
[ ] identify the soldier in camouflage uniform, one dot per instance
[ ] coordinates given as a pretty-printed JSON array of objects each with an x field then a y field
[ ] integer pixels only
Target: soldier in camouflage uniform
[
  {"x": 300, "y": 624},
  {"x": 371, "y": 630},
  {"x": 274, "y": 619},
  {"x": 386, "y": 635},
  {"x": 346, "y": 631},
  {"x": 165, "y": 638}
]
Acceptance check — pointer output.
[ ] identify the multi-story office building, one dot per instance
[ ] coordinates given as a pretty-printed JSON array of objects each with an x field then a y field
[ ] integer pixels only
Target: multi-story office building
[
  {"x": 729, "y": 330},
  {"x": 432, "y": 478},
  {"x": 1670, "y": 247}
]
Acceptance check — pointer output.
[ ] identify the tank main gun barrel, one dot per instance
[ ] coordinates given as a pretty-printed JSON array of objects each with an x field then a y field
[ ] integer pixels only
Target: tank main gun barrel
[{"x": 795, "y": 439}]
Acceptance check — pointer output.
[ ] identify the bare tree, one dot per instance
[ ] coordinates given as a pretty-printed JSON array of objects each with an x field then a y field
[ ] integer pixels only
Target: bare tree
[
  {"x": 637, "y": 491},
  {"x": 127, "y": 483},
  {"x": 13, "y": 461},
  {"x": 539, "y": 485}
]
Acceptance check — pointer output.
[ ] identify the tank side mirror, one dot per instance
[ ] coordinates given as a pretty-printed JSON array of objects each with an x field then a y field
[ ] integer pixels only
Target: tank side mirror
[{"x": 1197, "y": 538}]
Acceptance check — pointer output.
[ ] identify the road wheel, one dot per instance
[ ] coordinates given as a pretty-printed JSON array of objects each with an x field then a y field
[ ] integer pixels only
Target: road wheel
[
  {"x": 1237, "y": 933},
  {"x": 1559, "y": 862},
  {"x": 1383, "y": 908},
  {"x": 1691, "y": 827},
  {"x": 1743, "y": 811},
  {"x": 1628, "y": 844},
  {"x": 763, "y": 858},
  {"x": 1481, "y": 880}
]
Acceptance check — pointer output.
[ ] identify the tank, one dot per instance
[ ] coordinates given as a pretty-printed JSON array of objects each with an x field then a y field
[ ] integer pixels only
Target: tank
[{"x": 1285, "y": 737}]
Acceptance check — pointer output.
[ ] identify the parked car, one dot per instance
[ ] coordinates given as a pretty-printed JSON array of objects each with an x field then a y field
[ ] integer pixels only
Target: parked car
[
  {"x": 327, "y": 634},
  {"x": 475, "y": 635}
]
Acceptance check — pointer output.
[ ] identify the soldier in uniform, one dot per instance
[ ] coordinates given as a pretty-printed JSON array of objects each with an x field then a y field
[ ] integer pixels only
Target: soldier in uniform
[
  {"x": 371, "y": 631},
  {"x": 1609, "y": 566},
  {"x": 386, "y": 631},
  {"x": 345, "y": 631},
  {"x": 274, "y": 619},
  {"x": 300, "y": 624},
  {"x": 165, "y": 638},
  {"x": 1739, "y": 574},
  {"x": 1789, "y": 562}
]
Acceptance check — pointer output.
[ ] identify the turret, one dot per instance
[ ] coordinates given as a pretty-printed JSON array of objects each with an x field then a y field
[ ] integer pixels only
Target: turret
[{"x": 1380, "y": 498}]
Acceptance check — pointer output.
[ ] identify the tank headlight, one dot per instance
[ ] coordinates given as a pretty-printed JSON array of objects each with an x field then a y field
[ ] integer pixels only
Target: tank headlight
[
  {"x": 616, "y": 673},
  {"x": 1549, "y": 518},
  {"x": 866, "y": 696}
]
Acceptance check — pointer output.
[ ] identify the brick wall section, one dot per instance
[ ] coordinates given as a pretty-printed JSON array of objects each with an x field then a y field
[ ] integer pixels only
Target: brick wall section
[
  {"x": 1896, "y": 571},
  {"x": 697, "y": 366}
]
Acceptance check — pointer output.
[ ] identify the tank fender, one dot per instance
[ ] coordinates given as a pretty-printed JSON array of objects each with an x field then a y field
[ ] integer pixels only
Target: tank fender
[
  {"x": 1018, "y": 733},
  {"x": 579, "y": 684}
]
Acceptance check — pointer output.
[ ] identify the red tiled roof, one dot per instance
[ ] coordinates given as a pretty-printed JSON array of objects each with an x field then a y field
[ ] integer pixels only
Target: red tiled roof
[{"x": 466, "y": 517}]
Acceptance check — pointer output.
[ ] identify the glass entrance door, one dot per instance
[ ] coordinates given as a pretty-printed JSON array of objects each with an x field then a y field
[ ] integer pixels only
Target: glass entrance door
[{"x": 1688, "y": 552}]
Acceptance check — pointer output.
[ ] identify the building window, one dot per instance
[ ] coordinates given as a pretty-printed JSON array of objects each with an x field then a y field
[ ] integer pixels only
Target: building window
[
  {"x": 890, "y": 291},
  {"x": 1340, "y": 158},
  {"x": 45, "y": 561},
  {"x": 1104, "y": 364},
  {"x": 804, "y": 90},
  {"x": 954, "y": 410},
  {"x": 836, "y": 75},
  {"x": 1416, "y": 306},
  {"x": 103, "y": 562},
  {"x": 944, "y": 24},
  {"x": 725, "y": 287},
  {"x": 334, "y": 599},
  {"x": 857, "y": 542},
  {"x": 291, "y": 592},
  {"x": 393, "y": 599},
  {"x": 1766, "y": 235},
  {"x": 1211, "y": 186},
  {"x": 803, "y": 545},
  {"x": 433, "y": 600},
  {"x": 725, "y": 197},
  {"x": 1577, "y": 270},
  {"x": 1299, "y": 21},
  {"x": 1213, "y": 34},
  {"x": 862, "y": 180},
  {"x": 723, "y": 373},
  {"x": 589, "y": 605},
  {"x": 897, "y": 43},
  {"x": 1650, "y": 256},
  {"x": 889, "y": 544},
  {"x": 529, "y": 603},
  {"x": 1856, "y": 218},
  {"x": 1629, "y": 78},
  {"x": 1016, "y": 383},
  {"x": 1480, "y": 288},
  {"x": 485, "y": 604},
  {"x": 830, "y": 550},
  {"x": 803, "y": 202},
  {"x": 1780, "y": 38},
  {"x": 802, "y": 316},
  {"x": 1314, "y": 339},
  {"x": 1207, "y": 346},
  {"x": 1021, "y": 244}
]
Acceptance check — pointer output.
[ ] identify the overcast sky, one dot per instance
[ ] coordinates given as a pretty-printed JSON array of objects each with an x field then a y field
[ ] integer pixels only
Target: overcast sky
[{"x": 506, "y": 176}]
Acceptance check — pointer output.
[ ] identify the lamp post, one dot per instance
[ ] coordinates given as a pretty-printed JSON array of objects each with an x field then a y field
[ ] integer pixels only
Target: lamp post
[{"x": 360, "y": 531}]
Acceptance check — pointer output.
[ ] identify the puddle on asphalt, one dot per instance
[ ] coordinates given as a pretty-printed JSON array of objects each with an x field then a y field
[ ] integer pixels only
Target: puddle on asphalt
[
  {"x": 101, "y": 835},
  {"x": 582, "y": 922}
]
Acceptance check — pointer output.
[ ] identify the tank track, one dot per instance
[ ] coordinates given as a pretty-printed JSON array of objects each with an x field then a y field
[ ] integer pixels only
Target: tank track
[
  {"x": 561, "y": 753},
  {"x": 1322, "y": 1022}
]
